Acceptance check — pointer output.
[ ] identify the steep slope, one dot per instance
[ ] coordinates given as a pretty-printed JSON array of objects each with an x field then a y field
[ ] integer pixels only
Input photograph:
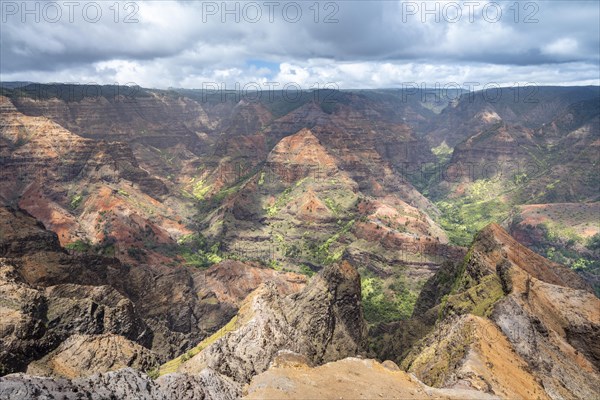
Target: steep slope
[
  {"x": 470, "y": 352},
  {"x": 545, "y": 326},
  {"x": 499, "y": 149},
  {"x": 304, "y": 208},
  {"x": 116, "y": 113},
  {"x": 304, "y": 181},
  {"x": 89, "y": 192},
  {"x": 567, "y": 233},
  {"x": 488, "y": 344},
  {"x": 528, "y": 106},
  {"x": 324, "y": 322},
  {"x": 173, "y": 210},
  {"x": 50, "y": 295},
  {"x": 38, "y": 317},
  {"x": 542, "y": 156},
  {"x": 84, "y": 355}
]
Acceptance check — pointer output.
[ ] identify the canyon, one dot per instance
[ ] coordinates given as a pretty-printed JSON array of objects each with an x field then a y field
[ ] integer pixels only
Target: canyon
[{"x": 175, "y": 244}]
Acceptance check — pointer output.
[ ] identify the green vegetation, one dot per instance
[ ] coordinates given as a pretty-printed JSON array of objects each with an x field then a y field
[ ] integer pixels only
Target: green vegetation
[
  {"x": 593, "y": 243},
  {"x": 104, "y": 248},
  {"x": 153, "y": 373},
  {"x": 520, "y": 179},
  {"x": 333, "y": 206},
  {"x": 477, "y": 300},
  {"x": 469, "y": 295},
  {"x": 79, "y": 245},
  {"x": 75, "y": 201},
  {"x": 202, "y": 259},
  {"x": 463, "y": 217},
  {"x": 450, "y": 348},
  {"x": 323, "y": 253},
  {"x": 172, "y": 366},
  {"x": 306, "y": 270},
  {"x": 427, "y": 175},
  {"x": 214, "y": 201},
  {"x": 281, "y": 200},
  {"x": 563, "y": 245},
  {"x": 197, "y": 252},
  {"x": 386, "y": 304},
  {"x": 200, "y": 190},
  {"x": 274, "y": 264},
  {"x": 558, "y": 231},
  {"x": 443, "y": 152}
]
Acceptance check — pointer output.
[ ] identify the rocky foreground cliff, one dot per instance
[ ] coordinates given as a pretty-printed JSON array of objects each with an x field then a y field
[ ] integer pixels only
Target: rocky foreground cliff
[
  {"x": 274, "y": 339},
  {"x": 512, "y": 316},
  {"x": 512, "y": 325}
]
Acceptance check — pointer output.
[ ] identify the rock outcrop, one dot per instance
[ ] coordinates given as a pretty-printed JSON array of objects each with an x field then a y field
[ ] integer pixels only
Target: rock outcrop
[
  {"x": 323, "y": 322},
  {"x": 350, "y": 378},
  {"x": 470, "y": 352},
  {"x": 512, "y": 316},
  {"x": 36, "y": 321},
  {"x": 147, "y": 191},
  {"x": 84, "y": 355},
  {"x": 122, "y": 384}
]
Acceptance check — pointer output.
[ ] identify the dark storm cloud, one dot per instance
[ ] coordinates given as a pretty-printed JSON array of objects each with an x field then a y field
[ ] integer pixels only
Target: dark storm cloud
[{"x": 187, "y": 42}]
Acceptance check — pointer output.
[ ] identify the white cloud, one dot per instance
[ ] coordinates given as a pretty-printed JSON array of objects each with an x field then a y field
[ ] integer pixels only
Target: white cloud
[
  {"x": 319, "y": 72},
  {"x": 562, "y": 47},
  {"x": 372, "y": 45}
]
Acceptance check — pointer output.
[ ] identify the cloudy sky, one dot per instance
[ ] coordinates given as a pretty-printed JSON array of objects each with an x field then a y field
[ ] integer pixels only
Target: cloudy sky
[{"x": 344, "y": 44}]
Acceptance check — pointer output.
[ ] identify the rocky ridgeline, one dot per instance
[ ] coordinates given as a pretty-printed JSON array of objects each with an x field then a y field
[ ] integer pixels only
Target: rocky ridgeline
[
  {"x": 276, "y": 339},
  {"x": 39, "y": 149},
  {"x": 122, "y": 384},
  {"x": 505, "y": 314},
  {"x": 43, "y": 305},
  {"x": 324, "y": 322},
  {"x": 83, "y": 314},
  {"x": 310, "y": 195},
  {"x": 550, "y": 139},
  {"x": 137, "y": 116}
]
